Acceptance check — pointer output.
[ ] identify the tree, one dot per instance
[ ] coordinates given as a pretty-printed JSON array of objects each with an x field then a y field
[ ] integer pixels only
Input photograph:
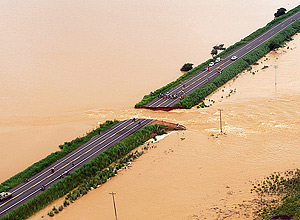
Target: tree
[
  {"x": 221, "y": 47},
  {"x": 187, "y": 67},
  {"x": 280, "y": 11},
  {"x": 214, "y": 51}
]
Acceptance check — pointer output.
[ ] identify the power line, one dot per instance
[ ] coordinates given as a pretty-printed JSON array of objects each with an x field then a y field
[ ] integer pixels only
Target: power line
[{"x": 113, "y": 197}]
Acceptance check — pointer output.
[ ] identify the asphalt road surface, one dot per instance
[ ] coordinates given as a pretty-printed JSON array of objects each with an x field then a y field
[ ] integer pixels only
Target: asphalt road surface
[
  {"x": 205, "y": 76},
  {"x": 27, "y": 190}
]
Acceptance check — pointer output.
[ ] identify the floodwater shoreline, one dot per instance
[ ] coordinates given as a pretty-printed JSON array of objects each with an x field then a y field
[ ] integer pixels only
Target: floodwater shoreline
[
  {"x": 57, "y": 70},
  {"x": 108, "y": 163},
  {"x": 250, "y": 57},
  {"x": 54, "y": 84},
  {"x": 253, "y": 133}
]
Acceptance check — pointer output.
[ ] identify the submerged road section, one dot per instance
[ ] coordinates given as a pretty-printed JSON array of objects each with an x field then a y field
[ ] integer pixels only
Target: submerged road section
[
  {"x": 205, "y": 76},
  {"x": 77, "y": 158}
]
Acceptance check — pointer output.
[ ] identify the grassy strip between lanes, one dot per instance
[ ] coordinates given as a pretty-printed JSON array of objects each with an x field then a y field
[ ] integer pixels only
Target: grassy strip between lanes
[
  {"x": 66, "y": 148},
  {"x": 227, "y": 74},
  {"x": 93, "y": 168},
  {"x": 148, "y": 98}
]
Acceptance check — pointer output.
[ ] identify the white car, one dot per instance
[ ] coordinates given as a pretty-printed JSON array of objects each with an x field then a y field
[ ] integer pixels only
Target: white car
[
  {"x": 218, "y": 60},
  {"x": 234, "y": 58},
  {"x": 5, "y": 195},
  {"x": 211, "y": 64}
]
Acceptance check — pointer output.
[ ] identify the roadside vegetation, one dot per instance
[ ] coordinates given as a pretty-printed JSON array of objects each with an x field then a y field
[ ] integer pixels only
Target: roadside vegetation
[
  {"x": 148, "y": 98},
  {"x": 214, "y": 52},
  {"x": 66, "y": 148},
  {"x": 242, "y": 64},
  {"x": 92, "y": 174},
  {"x": 187, "y": 67},
  {"x": 278, "y": 195},
  {"x": 280, "y": 11},
  {"x": 97, "y": 180},
  {"x": 153, "y": 95}
]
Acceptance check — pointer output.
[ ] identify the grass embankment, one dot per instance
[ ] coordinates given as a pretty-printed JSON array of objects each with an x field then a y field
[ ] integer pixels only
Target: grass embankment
[
  {"x": 148, "y": 98},
  {"x": 279, "y": 195},
  {"x": 66, "y": 148},
  {"x": 91, "y": 174}
]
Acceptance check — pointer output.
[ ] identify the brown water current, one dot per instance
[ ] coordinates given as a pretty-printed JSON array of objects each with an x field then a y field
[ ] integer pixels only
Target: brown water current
[
  {"x": 199, "y": 174},
  {"x": 66, "y": 66},
  {"x": 61, "y": 59}
]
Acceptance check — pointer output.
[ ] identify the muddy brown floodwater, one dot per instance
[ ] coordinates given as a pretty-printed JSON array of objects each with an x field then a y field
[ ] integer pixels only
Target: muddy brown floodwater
[
  {"x": 66, "y": 66},
  {"x": 199, "y": 174},
  {"x": 60, "y": 60}
]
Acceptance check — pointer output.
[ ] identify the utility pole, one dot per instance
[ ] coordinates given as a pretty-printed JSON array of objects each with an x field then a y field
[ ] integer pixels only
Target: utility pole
[
  {"x": 113, "y": 197},
  {"x": 220, "y": 110},
  {"x": 276, "y": 67}
]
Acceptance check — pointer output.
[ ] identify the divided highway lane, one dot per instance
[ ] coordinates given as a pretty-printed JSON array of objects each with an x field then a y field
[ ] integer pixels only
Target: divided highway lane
[
  {"x": 203, "y": 77},
  {"x": 70, "y": 162}
]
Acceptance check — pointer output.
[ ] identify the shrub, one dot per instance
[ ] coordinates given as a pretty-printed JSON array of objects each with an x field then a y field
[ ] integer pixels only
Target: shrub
[
  {"x": 66, "y": 203},
  {"x": 280, "y": 11},
  {"x": 51, "y": 214},
  {"x": 75, "y": 194},
  {"x": 60, "y": 208},
  {"x": 187, "y": 67},
  {"x": 55, "y": 210}
]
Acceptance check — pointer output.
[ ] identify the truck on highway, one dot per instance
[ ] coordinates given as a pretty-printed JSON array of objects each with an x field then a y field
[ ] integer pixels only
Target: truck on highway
[{"x": 5, "y": 195}]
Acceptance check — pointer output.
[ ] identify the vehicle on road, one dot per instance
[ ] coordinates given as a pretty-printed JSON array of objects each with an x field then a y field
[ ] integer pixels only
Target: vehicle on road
[
  {"x": 218, "y": 59},
  {"x": 233, "y": 57},
  {"x": 5, "y": 195},
  {"x": 211, "y": 64}
]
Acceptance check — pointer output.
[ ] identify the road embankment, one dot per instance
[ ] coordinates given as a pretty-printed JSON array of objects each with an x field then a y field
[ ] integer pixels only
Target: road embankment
[
  {"x": 242, "y": 64},
  {"x": 97, "y": 166},
  {"x": 66, "y": 148},
  {"x": 199, "y": 94}
]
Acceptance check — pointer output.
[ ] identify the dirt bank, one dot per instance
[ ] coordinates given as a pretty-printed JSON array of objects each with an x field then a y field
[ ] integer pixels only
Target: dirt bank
[{"x": 170, "y": 126}]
